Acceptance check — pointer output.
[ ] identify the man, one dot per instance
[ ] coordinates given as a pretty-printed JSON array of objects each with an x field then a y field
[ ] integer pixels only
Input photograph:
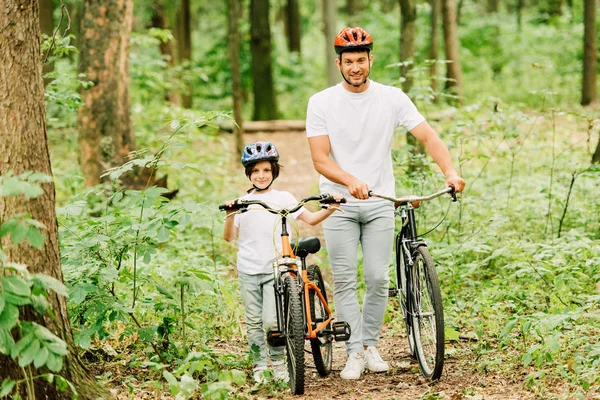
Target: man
[{"x": 350, "y": 129}]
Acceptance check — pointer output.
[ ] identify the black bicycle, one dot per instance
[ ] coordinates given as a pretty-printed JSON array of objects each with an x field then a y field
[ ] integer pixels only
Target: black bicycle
[
  {"x": 300, "y": 298},
  {"x": 418, "y": 288}
]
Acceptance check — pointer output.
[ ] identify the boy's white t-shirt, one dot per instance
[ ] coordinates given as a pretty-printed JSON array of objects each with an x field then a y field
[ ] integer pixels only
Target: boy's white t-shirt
[
  {"x": 360, "y": 128},
  {"x": 257, "y": 232}
]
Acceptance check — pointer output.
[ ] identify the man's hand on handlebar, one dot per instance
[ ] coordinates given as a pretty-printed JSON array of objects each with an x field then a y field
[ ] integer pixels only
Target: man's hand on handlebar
[
  {"x": 359, "y": 189},
  {"x": 456, "y": 182}
]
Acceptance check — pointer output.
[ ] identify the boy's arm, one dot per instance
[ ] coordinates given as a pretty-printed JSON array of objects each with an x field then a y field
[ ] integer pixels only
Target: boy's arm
[
  {"x": 230, "y": 231},
  {"x": 313, "y": 218}
]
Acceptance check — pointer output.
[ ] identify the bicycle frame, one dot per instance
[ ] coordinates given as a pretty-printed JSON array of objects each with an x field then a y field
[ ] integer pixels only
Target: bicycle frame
[{"x": 305, "y": 283}]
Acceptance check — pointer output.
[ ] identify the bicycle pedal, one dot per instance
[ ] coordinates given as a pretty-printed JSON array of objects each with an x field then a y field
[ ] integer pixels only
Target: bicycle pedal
[
  {"x": 392, "y": 292},
  {"x": 341, "y": 331},
  {"x": 275, "y": 338}
]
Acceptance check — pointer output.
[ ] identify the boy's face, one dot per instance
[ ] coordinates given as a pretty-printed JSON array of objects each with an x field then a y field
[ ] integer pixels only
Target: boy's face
[{"x": 262, "y": 174}]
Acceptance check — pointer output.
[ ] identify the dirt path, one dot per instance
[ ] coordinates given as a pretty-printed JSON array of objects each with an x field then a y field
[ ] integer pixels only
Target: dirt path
[{"x": 460, "y": 379}]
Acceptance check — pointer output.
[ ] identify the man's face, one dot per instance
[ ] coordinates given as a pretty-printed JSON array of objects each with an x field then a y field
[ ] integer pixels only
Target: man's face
[{"x": 355, "y": 66}]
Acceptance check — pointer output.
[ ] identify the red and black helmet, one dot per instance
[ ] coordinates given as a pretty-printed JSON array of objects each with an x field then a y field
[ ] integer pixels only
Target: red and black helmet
[{"x": 352, "y": 39}]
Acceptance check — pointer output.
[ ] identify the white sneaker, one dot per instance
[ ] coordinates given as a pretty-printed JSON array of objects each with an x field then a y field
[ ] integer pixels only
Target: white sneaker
[
  {"x": 280, "y": 371},
  {"x": 354, "y": 366},
  {"x": 374, "y": 361},
  {"x": 260, "y": 375}
]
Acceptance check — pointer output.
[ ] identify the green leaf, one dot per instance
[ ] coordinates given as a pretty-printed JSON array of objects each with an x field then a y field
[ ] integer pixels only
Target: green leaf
[
  {"x": 170, "y": 378},
  {"x": 16, "y": 300},
  {"x": 163, "y": 234},
  {"x": 58, "y": 347},
  {"x": 507, "y": 328},
  {"x": 48, "y": 282},
  {"x": 61, "y": 383},
  {"x": 16, "y": 285},
  {"x": 7, "y": 387},
  {"x": 54, "y": 362},
  {"x": 2, "y": 303},
  {"x": 40, "y": 303},
  {"x": 19, "y": 232},
  {"x": 29, "y": 353},
  {"x": 35, "y": 237},
  {"x": 162, "y": 290},
  {"x": 9, "y": 317},
  {"x": 6, "y": 341},
  {"x": 21, "y": 344},
  {"x": 239, "y": 377},
  {"x": 41, "y": 357},
  {"x": 451, "y": 334}
]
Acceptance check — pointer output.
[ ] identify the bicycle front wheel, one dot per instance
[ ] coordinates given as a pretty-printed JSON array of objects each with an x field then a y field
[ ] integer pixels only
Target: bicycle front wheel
[
  {"x": 427, "y": 315},
  {"x": 322, "y": 346},
  {"x": 294, "y": 329}
]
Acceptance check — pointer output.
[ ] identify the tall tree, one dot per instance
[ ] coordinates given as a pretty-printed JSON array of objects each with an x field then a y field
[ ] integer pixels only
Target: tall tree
[
  {"x": 159, "y": 20},
  {"x": 434, "y": 43},
  {"x": 184, "y": 45},
  {"x": 265, "y": 106},
  {"x": 493, "y": 6},
  {"x": 589, "y": 90},
  {"x": 453, "y": 72},
  {"x": 408, "y": 12},
  {"x": 47, "y": 27},
  {"x": 293, "y": 25},
  {"x": 24, "y": 147},
  {"x": 104, "y": 121},
  {"x": 329, "y": 25},
  {"x": 233, "y": 46},
  {"x": 353, "y": 8}
]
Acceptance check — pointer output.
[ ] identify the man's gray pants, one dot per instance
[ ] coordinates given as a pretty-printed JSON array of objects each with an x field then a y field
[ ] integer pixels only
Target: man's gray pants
[{"x": 371, "y": 224}]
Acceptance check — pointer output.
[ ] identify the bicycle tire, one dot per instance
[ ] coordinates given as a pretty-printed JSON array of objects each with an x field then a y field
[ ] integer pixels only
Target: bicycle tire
[
  {"x": 322, "y": 346},
  {"x": 294, "y": 328},
  {"x": 402, "y": 297},
  {"x": 427, "y": 315}
]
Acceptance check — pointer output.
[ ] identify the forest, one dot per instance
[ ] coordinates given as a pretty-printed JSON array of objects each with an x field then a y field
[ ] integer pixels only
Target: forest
[{"x": 122, "y": 123}]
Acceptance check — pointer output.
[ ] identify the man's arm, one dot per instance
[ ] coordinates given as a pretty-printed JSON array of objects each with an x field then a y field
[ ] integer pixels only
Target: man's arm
[
  {"x": 439, "y": 152},
  {"x": 319, "y": 149}
]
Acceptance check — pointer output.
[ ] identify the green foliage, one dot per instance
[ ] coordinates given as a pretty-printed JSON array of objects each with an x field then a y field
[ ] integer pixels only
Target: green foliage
[{"x": 35, "y": 344}]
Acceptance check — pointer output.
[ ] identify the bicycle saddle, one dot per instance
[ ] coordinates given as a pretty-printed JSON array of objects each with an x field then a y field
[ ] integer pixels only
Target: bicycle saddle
[{"x": 306, "y": 246}]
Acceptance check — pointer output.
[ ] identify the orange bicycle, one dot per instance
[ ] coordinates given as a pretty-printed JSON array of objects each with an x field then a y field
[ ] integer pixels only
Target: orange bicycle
[{"x": 300, "y": 298}]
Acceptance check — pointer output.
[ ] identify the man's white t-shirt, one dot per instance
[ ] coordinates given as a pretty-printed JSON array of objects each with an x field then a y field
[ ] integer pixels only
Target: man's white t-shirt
[
  {"x": 257, "y": 231},
  {"x": 360, "y": 128}
]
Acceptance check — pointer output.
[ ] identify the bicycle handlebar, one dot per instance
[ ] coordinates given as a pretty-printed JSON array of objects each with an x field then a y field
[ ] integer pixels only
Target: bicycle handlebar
[
  {"x": 242, "y": 205},
  {"x": 412, "y": 198}
]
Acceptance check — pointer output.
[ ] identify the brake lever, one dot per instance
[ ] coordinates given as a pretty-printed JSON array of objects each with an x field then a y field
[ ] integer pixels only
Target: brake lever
[{"x": 329, "y": 206}]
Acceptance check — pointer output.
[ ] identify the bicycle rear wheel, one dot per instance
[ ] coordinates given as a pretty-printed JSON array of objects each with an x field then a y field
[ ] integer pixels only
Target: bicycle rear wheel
[
  {"x": 402, "y": 296},
  {"x": 427, "y": 315},
  {"x": 322, "y": 346},
  {"x": 294, "y": 329}
]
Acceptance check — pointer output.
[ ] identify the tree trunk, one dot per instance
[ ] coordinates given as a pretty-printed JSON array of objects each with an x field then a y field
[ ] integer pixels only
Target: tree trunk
[
  {"x": 453, "y": 72},
  {"x": 434, "y": 44},
  {"x": 24, "y": 147},
  {"x": 519, "y": 11},
  {"x": 104, "y": 122},
  {"x": 159, "y": 20},
  {"x": 47, "y": 27},
  {"x": 589, "y": 90},
  {"x": 493, "y": 6},
  {"x": 184, "y": 45},
  {"x": 353, "y": 8},
  {"x": 265, "y": 106},
  {"x": 596, "y": 156},
  {"x": 233, "y": 46},
  {"x": 408, "y": 11},
  {"x": 329, "y": 24},
  {"x": 551, "y": 8},
  {"x": 293, "y": 25},
  {"x": 458, "y": 10}
]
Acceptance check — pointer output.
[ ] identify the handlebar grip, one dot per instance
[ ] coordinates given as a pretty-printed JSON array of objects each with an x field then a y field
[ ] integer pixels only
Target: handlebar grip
[
  {"x": 453, "y": 194},
  {"x": 326, "y": 198},
  {"x": 235, "y": 206}
]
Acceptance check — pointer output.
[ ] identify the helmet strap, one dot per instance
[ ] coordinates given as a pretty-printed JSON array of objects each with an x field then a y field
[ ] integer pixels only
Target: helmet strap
[{"x": 257, "y": 189}]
